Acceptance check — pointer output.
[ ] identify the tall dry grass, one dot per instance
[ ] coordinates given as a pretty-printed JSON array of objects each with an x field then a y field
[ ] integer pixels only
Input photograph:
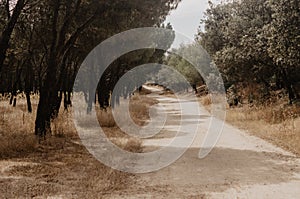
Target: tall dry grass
[
  {"x": 277, "y": 123},
  {"x": 206, "y": 101},
  {"x": 17, "y": 126},
  {"x": 16, "y": 130},
  {"x": 139, "y": 112},
  {"x": 61, "y": 159}
]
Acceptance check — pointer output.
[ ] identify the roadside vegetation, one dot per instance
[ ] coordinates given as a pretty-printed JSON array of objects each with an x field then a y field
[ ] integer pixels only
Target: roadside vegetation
[
  {"x": 255, "y": 44},
  {"x": 277, "y": 122},
  {"x": 60, "y": 164},
  {"x": 43, "y": 43}
]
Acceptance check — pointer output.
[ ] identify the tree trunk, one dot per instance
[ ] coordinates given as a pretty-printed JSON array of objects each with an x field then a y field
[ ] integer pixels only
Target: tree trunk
[
  {"x": 7, "y": 32},
  {"x": 11, "y": 99},
  {"x": 288, "y": 85},
  {"x": 48, "y": 89},
  {"x": 69, "y": 101},
  {"x": 15, "y": 102},
  {"x": 65, "y": 101},
  {"x": 42, "y": 122},
  {"x": 29, "y": 107},
  {"x": 56, "y": 101}
]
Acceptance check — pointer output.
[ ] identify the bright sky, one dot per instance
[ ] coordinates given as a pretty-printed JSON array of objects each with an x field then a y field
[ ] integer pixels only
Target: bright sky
[{"x": 186, "y": 18}]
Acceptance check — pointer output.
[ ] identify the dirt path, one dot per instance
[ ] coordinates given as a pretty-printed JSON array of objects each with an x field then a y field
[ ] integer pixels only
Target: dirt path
[{"x": 240, "y": 166}]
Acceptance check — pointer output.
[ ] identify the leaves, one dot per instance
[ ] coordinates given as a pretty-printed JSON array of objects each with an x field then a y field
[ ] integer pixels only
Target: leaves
[{"x": 252, "y": 41}]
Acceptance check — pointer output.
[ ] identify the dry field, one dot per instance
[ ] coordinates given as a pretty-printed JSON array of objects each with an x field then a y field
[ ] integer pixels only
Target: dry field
[
  {"x": 278, "y": 123},
  {"x": 60, "y": 166}
]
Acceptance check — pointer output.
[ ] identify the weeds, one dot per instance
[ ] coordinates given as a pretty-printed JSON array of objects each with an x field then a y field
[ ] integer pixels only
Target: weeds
[
  {"x": 60, "y": 159},
  {"x": 206, "y": 100},
  {"x": 274, "y": 121},
  {"x": 280, "y": 124}
]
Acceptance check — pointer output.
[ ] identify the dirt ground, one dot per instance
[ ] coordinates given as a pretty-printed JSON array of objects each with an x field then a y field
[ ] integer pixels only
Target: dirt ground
[
  {"x": 240, "y": 166},
  {"x": 58, "y": 167},
  {"x": 61, "y": 168}
]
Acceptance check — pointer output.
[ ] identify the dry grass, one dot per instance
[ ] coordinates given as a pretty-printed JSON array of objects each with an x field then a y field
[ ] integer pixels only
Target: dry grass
[
  {"x": 139, "y": 108},
  {"x": 206, "y": 100},
  {"x": 139, "y": 111},
  {"x": 16, "y": 130},
  {"x": 60, "y": 166},
  {"x": 106, "y": 118},
  {"x": 275, "y": 123}
]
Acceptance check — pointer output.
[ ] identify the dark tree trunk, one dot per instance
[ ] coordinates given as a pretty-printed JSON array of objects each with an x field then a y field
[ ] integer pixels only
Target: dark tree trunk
[
  {"x": 56, "y": 100},
  {"x": 48, "y": 110},
  {"x": 288, "y": 85},
  {"x": 7, "y": 32},
  {"x": 42, "y": 122},
  {"x": 29, "y": 107},
  {"x": 103, "y": 97},
  {"x": 48, "y": 89},
  {"x": 29, "y": 85},
  {"x": 65, "y": 101},
  {"x": 69, "y": 101},
  {"x": 50, "y": 101},
  {"x": 48, "y": 97},
  {"x": 11, "y": 99},
  {"x": 15, "y": 102},
  {"x": 195, "y": 88}
]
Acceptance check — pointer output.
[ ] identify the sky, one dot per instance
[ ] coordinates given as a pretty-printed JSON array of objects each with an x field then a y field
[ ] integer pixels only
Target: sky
[{"x": 186, "y": 18}]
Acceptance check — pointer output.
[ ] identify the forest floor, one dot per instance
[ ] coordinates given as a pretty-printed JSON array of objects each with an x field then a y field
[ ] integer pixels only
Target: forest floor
[{"x": 240, "y": 166}]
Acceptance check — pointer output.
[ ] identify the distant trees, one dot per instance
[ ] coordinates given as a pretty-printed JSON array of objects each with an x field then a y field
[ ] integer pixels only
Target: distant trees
[
  {"x": 43, "y": 43},
  {"x": 175, "y": 59},
  {"x": 255, "y": 42}
]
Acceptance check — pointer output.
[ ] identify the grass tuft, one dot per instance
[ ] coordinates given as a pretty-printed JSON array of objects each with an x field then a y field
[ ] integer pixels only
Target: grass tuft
[
  {"x": 279, "y": 124},
  {"x": 60, "y": 160}
]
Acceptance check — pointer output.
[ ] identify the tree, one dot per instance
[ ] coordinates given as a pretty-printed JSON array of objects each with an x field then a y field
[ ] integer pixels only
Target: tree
[
  {"x": 255, "y": 43},
  {"x": 283, "y": 36},
  {"x": 9, "y": 27},
  {"x": 62, "y": 15},
  {"x": 50, "y": 39},
  {"x": 183, "y": 66}
]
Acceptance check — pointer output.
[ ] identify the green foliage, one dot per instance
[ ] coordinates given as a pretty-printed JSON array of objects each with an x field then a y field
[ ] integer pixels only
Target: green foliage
[
  {"x": 284, "y": 32},
  {"x": 176, "y": 60},
  {"x": 49, "y": 40},
  {"x": 255, "y": 42}
]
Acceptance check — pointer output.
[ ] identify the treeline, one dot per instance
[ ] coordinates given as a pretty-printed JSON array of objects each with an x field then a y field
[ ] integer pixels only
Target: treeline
[
  {"x": 255, "y": 44},
  {"x": 44, "y": 42}
]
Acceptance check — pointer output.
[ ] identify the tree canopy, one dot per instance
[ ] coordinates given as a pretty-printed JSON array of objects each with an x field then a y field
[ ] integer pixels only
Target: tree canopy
[
  {"x": 255, "y": 43},
  {"x": 43, "y": 43}
]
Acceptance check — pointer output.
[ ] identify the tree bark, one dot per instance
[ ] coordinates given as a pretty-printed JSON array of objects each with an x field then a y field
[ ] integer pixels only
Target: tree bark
[
  {"x": 48, "y": 89},
  {"x": 50, "y": 101},
  {"x": 29, "y": 107},
  {"x": 42, "y": 122},
  {"x": 7, "y": 32},
  {"x": 288, "y": 85}
]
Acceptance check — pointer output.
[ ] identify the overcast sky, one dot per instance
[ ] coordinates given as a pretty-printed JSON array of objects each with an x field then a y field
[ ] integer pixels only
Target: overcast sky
[{"x": 186, "y": 18}]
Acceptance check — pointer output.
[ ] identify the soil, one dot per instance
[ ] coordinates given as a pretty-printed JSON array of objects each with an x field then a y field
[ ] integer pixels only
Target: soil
[{"x": 240, "y": 166}]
